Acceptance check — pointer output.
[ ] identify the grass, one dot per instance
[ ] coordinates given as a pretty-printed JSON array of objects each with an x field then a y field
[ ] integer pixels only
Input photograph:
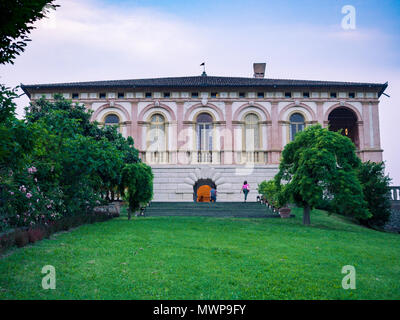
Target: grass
[{"x": 208, "y": 258}]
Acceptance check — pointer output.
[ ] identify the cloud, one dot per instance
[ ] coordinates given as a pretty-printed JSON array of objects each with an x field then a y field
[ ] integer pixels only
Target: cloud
[{"x": 87, "y": 40}]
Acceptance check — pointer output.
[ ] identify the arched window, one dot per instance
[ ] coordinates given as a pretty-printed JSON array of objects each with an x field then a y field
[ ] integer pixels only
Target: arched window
[
  {"x": 112, "y": 120},
  {"x": 251, "y": 132},
  {"x": 204, "y": 132},
  {"x": 156, "y": 139},
  {"x": 296, "y": 124}
]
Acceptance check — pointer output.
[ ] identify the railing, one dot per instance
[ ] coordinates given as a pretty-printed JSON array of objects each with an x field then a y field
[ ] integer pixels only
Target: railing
[
  {"x": 251, "y": 157},
  {"x": 203, "y": 157},
  {"x": 395, "y": 193},
  {"x": 155, "y": 157}
]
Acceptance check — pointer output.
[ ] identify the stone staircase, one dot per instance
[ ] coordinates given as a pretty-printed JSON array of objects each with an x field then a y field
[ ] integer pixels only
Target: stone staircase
[{"x": 207, "y": 209}]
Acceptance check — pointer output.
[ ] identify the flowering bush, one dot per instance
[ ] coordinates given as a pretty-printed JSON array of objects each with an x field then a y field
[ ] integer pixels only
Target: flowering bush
[
  {"x": 68, "y": 165},
  {"x": 25, "y": 203}
]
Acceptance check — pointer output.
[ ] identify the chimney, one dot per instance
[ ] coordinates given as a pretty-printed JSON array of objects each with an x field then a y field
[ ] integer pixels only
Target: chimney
[{"x": 259, "y": 70}]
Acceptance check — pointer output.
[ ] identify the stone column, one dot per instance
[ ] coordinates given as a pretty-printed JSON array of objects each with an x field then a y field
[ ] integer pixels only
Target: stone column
[
  {"x": 320, "y": 113},
  {"x": 133, "y": 132},
  {"x": 228, "y": 136},
  {"x": 179, "y": 124},
  {"x": 367, "y": 125},
  {"x": 276, "y": 136}
]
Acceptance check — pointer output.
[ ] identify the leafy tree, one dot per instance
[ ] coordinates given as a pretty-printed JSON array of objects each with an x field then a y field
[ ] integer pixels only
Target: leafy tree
[
  {"x": 16, "y": 22},
  {"x": 269, "y": 191},
  {"x": 320, "y": 164},
  {"x": 137, "y": 185},
  {"x": 16, "y": 141},
  {"x": 375, "y": 185}
]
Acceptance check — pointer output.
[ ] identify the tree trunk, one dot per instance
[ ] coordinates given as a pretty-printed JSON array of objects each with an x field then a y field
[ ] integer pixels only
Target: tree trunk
[
  {"x": 129, "y": 214},
  {"x": 306, "y": 215}
]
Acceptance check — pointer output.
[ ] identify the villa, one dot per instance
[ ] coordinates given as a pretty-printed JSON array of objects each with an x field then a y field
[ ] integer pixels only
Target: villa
[{"x": 205, "y": 131}]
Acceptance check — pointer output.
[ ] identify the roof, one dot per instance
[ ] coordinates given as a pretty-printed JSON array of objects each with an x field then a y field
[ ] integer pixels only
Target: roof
[{"x": 204, "y": 82}]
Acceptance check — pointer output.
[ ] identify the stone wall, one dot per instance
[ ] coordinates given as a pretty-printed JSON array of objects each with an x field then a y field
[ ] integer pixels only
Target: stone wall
[
  {"x": 175, "y": 183},
  {"x": 393, "y": 224}
]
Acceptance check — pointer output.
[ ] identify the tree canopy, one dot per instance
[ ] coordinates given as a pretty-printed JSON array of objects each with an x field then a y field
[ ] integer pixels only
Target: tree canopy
[
  {"x": 16, "y": 22},
  {"x": 66, "y": 164},
  {"x": 375, "y": 185},
  {"x": 320, "y": 164}
]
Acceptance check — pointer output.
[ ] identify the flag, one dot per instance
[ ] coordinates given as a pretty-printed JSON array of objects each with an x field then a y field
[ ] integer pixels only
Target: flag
[{"x": 202, "y": 64}]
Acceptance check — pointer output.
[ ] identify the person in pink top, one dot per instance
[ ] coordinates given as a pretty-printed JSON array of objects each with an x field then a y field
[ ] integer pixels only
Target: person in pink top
[{"x": 245, "y": 190}]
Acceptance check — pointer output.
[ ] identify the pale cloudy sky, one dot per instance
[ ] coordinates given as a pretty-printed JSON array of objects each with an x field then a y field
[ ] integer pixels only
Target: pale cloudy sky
[{"x": 299, "y": 39}]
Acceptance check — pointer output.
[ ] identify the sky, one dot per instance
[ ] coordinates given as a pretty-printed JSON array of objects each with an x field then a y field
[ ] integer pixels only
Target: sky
[{"x": 298, "y": 39}]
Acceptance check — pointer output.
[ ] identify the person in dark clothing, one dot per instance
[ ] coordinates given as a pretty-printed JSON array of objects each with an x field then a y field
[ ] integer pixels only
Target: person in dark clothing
[{"x": 213, "y": 195}]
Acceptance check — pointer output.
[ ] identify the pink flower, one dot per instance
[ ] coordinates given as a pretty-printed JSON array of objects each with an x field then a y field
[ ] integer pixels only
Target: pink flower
[
  {"x": 29, "y": 195},
  {"x": 12, "y": 193},
  {"x": 22, "y": 188},
  {"x": 32, "y": 170}
]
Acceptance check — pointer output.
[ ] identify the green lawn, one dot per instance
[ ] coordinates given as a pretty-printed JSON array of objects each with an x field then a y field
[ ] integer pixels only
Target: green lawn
[{"x": 208, "y": 258}]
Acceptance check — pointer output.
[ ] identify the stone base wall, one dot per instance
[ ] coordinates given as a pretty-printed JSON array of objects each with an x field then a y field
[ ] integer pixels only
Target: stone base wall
[
  {"x": 393, "y": 224},
  {"x": 176, "y": 182}
]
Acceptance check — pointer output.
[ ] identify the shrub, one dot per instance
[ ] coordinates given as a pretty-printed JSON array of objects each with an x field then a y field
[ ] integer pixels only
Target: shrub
[
  {"x": 21, "y": 238},
  {"x": 376, "y": 188},
  {"x": 7, "y": 240},
  {"x": 269, "y": 191},
  {"x": 36, "y": 234},
  {"x": 136, "y": 185}
]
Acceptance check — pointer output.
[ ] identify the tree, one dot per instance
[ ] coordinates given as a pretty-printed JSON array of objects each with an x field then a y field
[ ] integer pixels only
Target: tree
[
  {"x": 137, "y": 185},
  {"x": 16, "y": 22},
  {"x": 15, "y": 139},
  {"x": 375, "y": 185},
  {"x": 320, "y": 164}
]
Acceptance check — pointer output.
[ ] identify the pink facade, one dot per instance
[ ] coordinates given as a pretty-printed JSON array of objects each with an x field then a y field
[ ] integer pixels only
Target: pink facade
[
  {"x": 268, "y": 115},
  {"x": 221, "y": 131}
]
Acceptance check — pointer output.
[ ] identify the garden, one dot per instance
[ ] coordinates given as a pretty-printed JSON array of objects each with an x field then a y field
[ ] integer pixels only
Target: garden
[
  {"x": 56, "y": 167},
  {"x": 69, "y": 189},
  {"x": 207, "y": 258}
]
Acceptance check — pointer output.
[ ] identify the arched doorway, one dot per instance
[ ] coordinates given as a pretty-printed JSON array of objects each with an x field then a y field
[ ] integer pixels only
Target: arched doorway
[
  {"x": 201, "y": 190},
  {"x": 345, "y": 120}
]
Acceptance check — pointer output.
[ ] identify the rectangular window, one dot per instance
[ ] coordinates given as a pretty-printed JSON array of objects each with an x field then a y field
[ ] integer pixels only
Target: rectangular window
[
  {"x": 75, "y": 96},
  {"x": 148, "y": 95},
  {"x": 242, "y": 95},
  {"x": 214, "y": 94},
  {"x": 306, "y": 94},
  {"x": 352, "y": 95},
  {"x": 333, "y": 95},
  {"x": 121, "y": 95},
  {"x": 102, "y": 95},
  {"x": 195, "y": 94},
  {"x": 167, "y": 94},
  {"x": 260, "y": 94},
  {"x": 288, "y": 94}
]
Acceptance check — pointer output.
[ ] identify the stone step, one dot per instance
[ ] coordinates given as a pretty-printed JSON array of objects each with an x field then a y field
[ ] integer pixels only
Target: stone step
[
  {"x": 218, "y": 209},
  {"x": 205, "y": 204}
]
